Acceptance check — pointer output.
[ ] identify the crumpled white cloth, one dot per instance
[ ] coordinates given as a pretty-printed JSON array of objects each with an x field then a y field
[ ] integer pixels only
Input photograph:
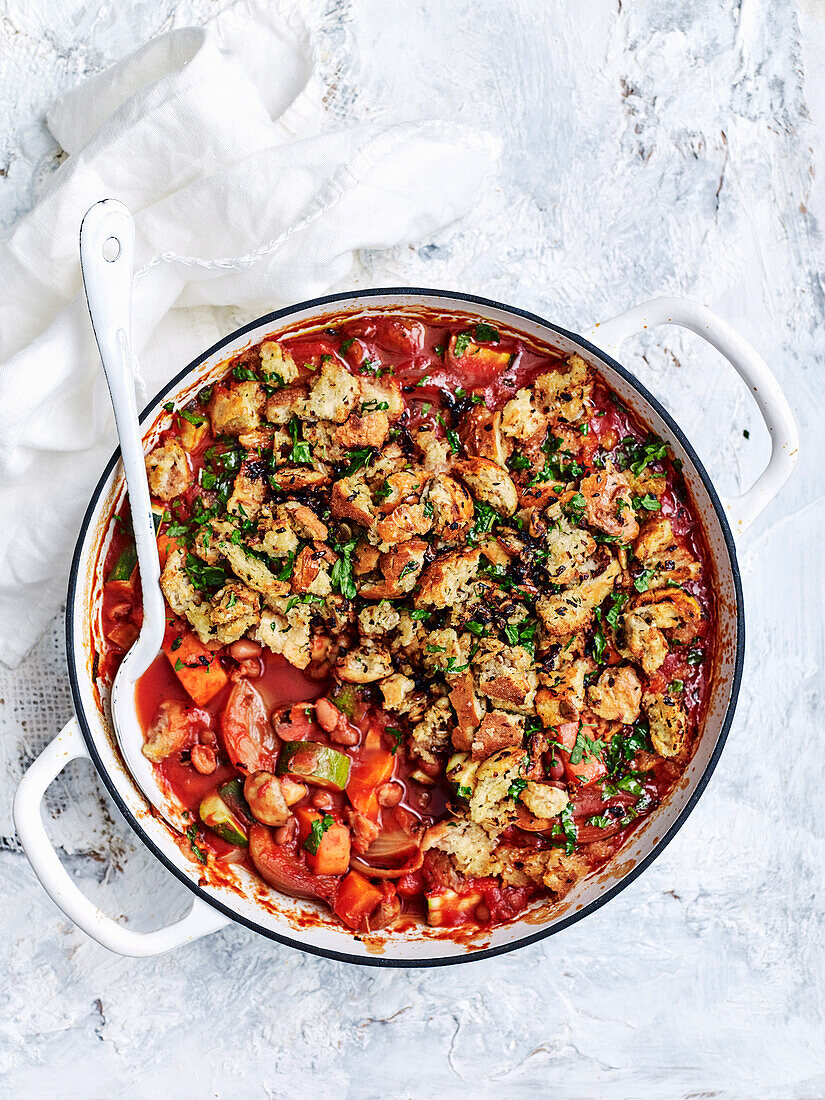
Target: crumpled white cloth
[{"x": 214, "y": 139}]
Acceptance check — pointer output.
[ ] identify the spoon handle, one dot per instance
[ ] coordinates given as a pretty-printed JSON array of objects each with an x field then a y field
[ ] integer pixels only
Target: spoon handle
[{"x": 107, "y": 246}]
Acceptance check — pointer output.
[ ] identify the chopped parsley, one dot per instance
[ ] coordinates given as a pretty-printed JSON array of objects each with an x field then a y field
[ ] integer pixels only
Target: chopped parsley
[
  {"x": 642, "y": 582},
  {"x": 398, "y": 737},
  {"x": 575, "y": 507},
  {"x": 485, "y": 519},
  {"x": 346, "y": 345},
  {"x": 462, "y": 342},
  {"x": 244, "y": 374},
  {"x": 204, "y": 576},
  {"x": 565, "y": 827},
  {"x": 452, "y": 666},
  {"x": 629, "y": 784},
  {"x": 516, "y": 787},
  {"x": 599, "y": 639},
  {"x": 617, "y": 602},
  {"x": 482, "y": 333},
  {"x": 192, "y": 836},
  {"x": 316, "y": 833},
  {"x": 356, "y": 459},
  {"x": 486, "y": 334},
  {"x": 585, "y": 747},
  {"x": 342, "y": 575},
  {"x": 293, "y": 601},
  {"x": 373, "y": 406},
  {"x": 301, "y": 451},
  {"x": 648, "y": 501},
  {"x": 285, "y": 571},
  {"x": 637, "y": 456},
  {"x": 452, "y": 436},
  {"x": 623, "y": 747},
  {"x": 374, "y": 368},
  {"x": 523, "y": 634},
  {"x": 695, "y": 657}
]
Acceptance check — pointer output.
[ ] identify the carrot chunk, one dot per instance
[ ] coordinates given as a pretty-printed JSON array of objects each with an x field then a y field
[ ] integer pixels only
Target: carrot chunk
[
  {"x": 197, "y": 667},
  {"x": 325, "y": 841},
  {"x": 357, "y": 900}
]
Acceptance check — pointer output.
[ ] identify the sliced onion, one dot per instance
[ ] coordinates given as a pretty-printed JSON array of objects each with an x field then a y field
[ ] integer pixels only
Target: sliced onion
[
  {"x": 358, "y": 864},
  {"x": 391, "y": 846},
  {"x": 586, "y": 834}
]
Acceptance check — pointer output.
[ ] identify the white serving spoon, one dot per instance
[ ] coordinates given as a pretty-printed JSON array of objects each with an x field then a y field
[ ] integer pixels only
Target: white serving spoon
[{"x": 107, "y": 245}]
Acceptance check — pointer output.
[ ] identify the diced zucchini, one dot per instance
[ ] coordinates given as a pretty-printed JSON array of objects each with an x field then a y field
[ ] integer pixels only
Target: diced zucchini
[
  {"x": 314, "y": 763},
  {"x": 233, "y": 796},
  {"x": 447, "y": 908},
  {"x": 158, "y": 512},
  {"x": 345, "y": 697},
  {"x": 125, "y": 564},
  {"x": 217, "y": 816}
]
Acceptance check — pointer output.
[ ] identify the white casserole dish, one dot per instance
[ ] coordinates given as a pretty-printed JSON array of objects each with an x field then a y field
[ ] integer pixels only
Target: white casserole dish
[{"x": 241, "y": 897}]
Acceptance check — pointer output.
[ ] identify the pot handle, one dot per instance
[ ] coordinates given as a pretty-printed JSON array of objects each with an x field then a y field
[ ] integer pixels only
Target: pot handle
[
  {"x": 741, "y": 511},
  {"x": 59, "y": 885}
]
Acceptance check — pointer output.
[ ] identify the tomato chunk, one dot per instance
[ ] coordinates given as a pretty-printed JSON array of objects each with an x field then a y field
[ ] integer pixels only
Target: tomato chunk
[
  {"x": 197, "y": 667},
  {"x": 357, "y": 900}
]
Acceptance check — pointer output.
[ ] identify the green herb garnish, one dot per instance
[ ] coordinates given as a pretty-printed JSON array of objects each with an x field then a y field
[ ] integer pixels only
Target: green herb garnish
[{"x": 316, "y": 833}]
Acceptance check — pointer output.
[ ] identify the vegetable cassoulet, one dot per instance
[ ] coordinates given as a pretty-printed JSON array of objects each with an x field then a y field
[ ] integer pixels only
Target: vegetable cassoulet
[{"x": 439, "y": 627}]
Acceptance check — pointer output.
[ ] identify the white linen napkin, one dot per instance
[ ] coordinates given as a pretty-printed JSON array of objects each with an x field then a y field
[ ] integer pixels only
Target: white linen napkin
[{"x": 213, "y": 137}]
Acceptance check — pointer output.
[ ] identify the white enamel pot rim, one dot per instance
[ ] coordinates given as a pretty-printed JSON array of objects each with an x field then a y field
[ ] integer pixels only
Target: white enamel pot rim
[{"x": 86, "y": 736}]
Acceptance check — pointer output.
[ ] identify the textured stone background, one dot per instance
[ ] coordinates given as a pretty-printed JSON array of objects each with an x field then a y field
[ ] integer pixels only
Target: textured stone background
[{"x": 654, "y": 147}]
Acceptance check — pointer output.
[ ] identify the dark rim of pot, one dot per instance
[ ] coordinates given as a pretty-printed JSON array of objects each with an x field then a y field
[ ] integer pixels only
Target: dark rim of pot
[{"x": 483, "y": 953}]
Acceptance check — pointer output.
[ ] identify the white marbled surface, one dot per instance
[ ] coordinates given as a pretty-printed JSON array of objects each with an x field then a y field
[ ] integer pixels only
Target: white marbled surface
[{"x": 651, "y": 147}]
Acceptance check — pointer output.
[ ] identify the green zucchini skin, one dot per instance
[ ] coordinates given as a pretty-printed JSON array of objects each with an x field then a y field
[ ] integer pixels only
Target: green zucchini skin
[
  {"x": 218, "y": 817},
  {"x": 125, "y": 564},
  {"x": 314, "y": 763}
]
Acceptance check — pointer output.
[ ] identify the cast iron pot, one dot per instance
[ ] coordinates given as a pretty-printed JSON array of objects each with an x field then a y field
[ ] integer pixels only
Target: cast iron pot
[{"x": 241, "y": 898}]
